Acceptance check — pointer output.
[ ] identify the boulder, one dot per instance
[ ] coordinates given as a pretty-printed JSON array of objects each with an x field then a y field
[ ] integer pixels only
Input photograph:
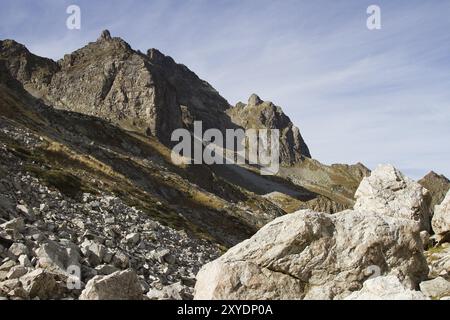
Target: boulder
[
  {"x": 441, "y": 218},
  {"x": 17, "y": 224},
  {"x": 93, "y": 251},
  {"x": 18, "y": 249},
  {"x": 41, "y": 284},
  {"x": 174, "y": 291},
  {"x": 56, "y": 257},
  {"x": 310, "y": 255},
  {"x": 17, "y": 272},
  {"x": 133, "y": 239},
  {"x": 436, "y": 288},
  {"x": 389, "y": 192},
  {"x": 439, "y": 260},
  {"x": 385, "y": 288},
  {"x": 121, "y": 285}
]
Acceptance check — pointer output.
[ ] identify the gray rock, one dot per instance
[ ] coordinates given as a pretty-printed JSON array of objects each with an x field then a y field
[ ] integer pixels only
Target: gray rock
[
  {"x": 106, "y": 269},
  {"x": 385, "y": 288},
  {"x": 57, "y": 258},
  {"x": 121, "y": 260},
  {"x": 24, "y": 261},
  {"x": 16, "y": 224},
  {"x": 133, "y": 239},
  {"x": 175, "y": 291},
  {"x": 17, "y": 249},
  {"x": 436, "y": 288},
  {"x": 7, "y": 265},
  {"x": 441, "y": 218},
  {"x": 122, "y": 285},
  {"x": 17, "y": 272},
  {"x": 93, "y": 251},
  {"x": 389, "y": 192},
  {"x": 41, "y": 284}
]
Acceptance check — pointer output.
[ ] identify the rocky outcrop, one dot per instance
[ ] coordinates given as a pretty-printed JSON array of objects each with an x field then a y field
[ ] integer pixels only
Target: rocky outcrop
[
  {"x": 438, "y": 259},
  {"x": 436, "y": 288},
  {"x": 34, "y": 72},
  {"x": 258, "y": 114},
  {"x": 441, "y": 219},
  {"x": 385, "y": 288},
  {"x": 310, "y": 255},
  {"x": 121, "y": 285},
  {"x": 389, "y": 192}
]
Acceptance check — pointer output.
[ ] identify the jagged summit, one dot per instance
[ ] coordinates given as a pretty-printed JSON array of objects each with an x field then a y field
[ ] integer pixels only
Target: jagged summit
[
  {"x": 105, "y": 35},
  {"x": 259, "y": 114},
  {"x": 254, "y": 100}
]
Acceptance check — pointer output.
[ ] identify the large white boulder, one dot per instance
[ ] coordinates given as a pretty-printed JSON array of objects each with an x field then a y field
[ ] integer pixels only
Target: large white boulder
[
  {"x": 389, "y": 192},
  {"x": 309, "y": 255}
]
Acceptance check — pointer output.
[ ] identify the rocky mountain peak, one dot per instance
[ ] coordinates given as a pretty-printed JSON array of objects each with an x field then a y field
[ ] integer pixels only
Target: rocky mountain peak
[
  {"x": 105, "y": 35},
  {"x": 260, "y": 114},
  {"x": 254, "y": 100}
]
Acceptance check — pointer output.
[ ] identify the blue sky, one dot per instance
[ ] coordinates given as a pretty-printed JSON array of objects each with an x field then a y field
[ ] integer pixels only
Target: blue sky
[{"x": 375, "y": 97}]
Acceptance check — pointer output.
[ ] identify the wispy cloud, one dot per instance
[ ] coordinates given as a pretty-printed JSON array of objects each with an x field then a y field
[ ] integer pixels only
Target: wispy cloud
[{"x": 357, "y": 95}]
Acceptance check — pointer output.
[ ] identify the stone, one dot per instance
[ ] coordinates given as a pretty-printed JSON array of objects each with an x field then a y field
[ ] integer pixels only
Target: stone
[
  {"x": 389, "y": 192},
  {"x": 121, "y": 285},
  {"x": 441, "y": 218},
  {"x": 163, "y": 256},
  {"x": 438, "y": 259},
  {"x": 9, "y": 285},
  {"x": 23, "y": 209},
  {"x": 17, "y": 224},
  {"x": 24, "y": 261},
  {"x": 310, "y": 255},
  {"x": 41, "y": 284},
  {"x": 121, "y": 260},
  {"x": 174, "y": 291},
  {"x": 57, "y": 258},
  {"x": 7, "y": 265},
  {"x": 106, "y": 269},
  {"x": 436, "y": 288},
  {"x": 17, "y": 249},
  {"x": 17, "y": 272},
  {"x": 385, "y": 288},
  {"x": 93, "y": 251},
  {"x": 133, "y": 239}
]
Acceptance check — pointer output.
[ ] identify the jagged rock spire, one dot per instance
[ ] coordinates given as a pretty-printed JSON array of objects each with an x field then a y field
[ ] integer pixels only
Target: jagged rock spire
[
  {"x": 254, "y": 100},
  {"x": 105, "y": 35}
]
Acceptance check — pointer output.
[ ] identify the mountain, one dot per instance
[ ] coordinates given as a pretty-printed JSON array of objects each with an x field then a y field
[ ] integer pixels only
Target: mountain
[
  {"x": 87, "y": 177},
  {"x": 438, "y": 185}
]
